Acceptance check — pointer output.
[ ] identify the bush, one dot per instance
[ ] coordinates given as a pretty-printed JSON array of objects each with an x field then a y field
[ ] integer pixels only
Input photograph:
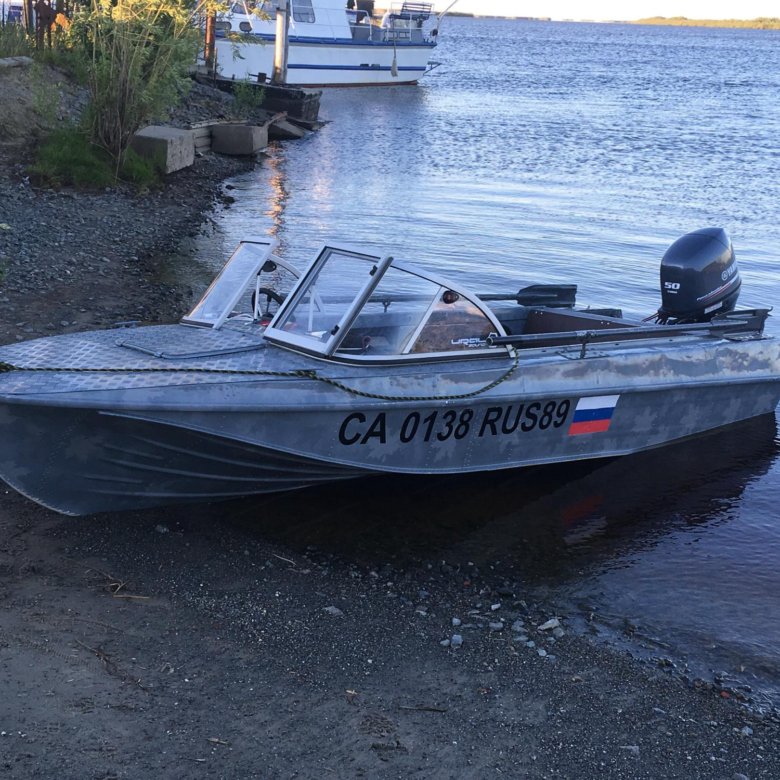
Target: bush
[
  {"x": 248, "y": 98},
  {"x": 140, "y": 52}
]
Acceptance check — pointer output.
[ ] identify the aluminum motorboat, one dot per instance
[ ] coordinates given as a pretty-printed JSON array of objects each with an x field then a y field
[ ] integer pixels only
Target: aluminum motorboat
[{"x": 367, "y": 364}]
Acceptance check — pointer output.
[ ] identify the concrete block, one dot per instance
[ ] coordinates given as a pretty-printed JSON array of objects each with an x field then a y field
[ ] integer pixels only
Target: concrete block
[
  {"x": 238, "y": 139},
  {"x": 169, "y": 148},
  {"x": 286, "y": 131}
]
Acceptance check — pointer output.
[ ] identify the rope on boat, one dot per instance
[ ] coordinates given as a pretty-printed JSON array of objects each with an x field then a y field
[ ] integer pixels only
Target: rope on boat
[
  {"x": 456, "y": 397},
  {"x": 303, "y": 373}
]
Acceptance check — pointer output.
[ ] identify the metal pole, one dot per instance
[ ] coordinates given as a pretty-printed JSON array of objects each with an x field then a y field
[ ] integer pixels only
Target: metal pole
[{"x": 282, "y": 42}]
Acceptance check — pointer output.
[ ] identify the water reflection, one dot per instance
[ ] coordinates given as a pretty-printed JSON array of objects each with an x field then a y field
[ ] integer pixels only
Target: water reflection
[
  {"x": 277, "y": 197},
  {"x": 541, "y": 524}
]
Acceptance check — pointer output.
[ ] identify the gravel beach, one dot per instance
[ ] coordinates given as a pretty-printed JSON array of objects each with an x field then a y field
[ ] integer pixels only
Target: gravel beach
[{"x": 275, "y": 637}]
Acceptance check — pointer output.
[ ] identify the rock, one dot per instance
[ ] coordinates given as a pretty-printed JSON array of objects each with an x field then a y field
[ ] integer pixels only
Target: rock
[
  {"x": 456, "y": 622},
  {"x": 445, "y": 643},
  {"x": 739, "y": 776},
  {"x": 746, "y": 731},
  {"x": 335, "y": 611},
  {"x": 530, "y": 644},
  {"x": 558, "y": 632},
  {"x": 285, "y": 130},
  {"x": 541, "y": 652},
  {"x": 456, "y": 640},
  {"x": 494, "y": 607},
  {"x": 161, "y": 529},
  {"x": 518, "y": 625},
  {"x": 633, "y": 749},
  {"x": 496, "y": 626},
  {"x": 15, "y": 62},
  {"x": 552, "y": 623}
]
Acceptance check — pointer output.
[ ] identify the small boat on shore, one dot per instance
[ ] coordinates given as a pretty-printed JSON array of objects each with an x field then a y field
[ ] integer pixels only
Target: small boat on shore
[
  {"x": 331, "y": 43},
  {"x": 366, "y": 364}
]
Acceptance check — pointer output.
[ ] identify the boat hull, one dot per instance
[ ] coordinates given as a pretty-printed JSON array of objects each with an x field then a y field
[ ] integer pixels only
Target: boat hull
[
  {"x": 113, "y": 420},
  {"x": 82, "y": 459},
  {"x": 326, "y": 63}
]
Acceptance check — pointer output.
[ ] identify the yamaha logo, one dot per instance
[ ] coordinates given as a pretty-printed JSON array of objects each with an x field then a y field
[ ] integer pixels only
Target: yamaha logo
[{"x": 730, "y": 271}]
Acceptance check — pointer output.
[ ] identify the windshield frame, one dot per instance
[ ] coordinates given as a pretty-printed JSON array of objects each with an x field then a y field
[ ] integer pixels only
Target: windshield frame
[
  {"x": 248, "y": 269},
  {"x": 328, "y": 347}
]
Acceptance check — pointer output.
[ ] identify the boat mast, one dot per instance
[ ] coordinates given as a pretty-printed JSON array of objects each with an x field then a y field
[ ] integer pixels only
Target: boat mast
[
  {"x": 446, "y": 11},
  {"x": 282, "y": 44}
]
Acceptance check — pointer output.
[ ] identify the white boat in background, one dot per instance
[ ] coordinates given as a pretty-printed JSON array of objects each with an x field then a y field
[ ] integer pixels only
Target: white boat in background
[{"x": 329, "y": 43}]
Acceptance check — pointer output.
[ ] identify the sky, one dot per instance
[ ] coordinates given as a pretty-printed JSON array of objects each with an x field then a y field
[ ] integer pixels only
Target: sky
[{"x": 619, "y": 9}]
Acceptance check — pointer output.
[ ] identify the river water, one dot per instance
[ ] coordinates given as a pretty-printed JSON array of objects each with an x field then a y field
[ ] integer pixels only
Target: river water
[{"x": 555, "y": 152}]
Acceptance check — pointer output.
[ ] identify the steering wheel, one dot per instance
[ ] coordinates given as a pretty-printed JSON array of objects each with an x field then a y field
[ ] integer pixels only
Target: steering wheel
[{"x": 270, "y": 295}]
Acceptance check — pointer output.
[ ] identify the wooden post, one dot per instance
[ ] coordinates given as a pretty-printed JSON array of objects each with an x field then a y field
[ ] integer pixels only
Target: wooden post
[
  {"x": 282, "y": 46},
  {"x": 210, "y": 44},
  {"x": 28, "y": 17}
]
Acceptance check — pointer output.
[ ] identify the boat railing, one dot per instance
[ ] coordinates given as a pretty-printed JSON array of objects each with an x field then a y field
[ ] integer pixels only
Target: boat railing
[
  {"x": 404, "y": 22},
  {"x": 749, "y": 321},
  {"x": 360, "y": 25},
  {"x": 412, "y": 10}
]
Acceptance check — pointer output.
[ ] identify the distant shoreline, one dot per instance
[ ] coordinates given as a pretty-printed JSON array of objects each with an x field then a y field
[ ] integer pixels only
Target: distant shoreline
[{"x": 762, "y": 23}]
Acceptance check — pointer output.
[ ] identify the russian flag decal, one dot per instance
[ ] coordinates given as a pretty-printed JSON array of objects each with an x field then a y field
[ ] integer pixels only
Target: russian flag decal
[{"x": 593, "y": 415}]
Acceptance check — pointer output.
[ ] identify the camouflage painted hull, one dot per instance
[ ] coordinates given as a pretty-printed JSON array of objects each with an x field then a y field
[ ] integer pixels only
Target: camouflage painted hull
[{"x": 100, "y": 421}]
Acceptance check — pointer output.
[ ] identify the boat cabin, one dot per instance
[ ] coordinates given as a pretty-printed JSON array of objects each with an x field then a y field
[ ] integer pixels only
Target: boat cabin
[{"x": 403, "y": 23}]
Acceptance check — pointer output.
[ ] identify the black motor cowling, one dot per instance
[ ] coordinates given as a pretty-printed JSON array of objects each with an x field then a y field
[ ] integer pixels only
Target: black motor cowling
[{"x": 699, "y": 277}]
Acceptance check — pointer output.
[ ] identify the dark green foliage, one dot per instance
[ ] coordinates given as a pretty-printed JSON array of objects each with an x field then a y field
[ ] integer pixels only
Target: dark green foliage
[
  {"x": 14, "y": 41},
  {"x": 139, "y": 171},
  {"x": 248, "y": 98},
  {"x": 66, "y": 157}
]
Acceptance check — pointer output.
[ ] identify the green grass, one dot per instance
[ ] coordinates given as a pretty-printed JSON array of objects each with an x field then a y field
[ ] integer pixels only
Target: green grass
[
  {"x": 67, "y": 158},
  {"x": 143, "y": 173},
  {"x": 248, "y": 98},
  {"x": 71, "y": 61},
  {"x": 14, "y": 41}
]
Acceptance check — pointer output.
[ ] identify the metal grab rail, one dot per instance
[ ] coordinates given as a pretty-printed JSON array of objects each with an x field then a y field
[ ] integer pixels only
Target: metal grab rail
[{"x": 752, "y": 320}]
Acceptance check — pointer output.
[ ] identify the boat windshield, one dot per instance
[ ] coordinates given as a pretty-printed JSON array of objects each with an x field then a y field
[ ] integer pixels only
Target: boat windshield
[
  {"x": 327, "y": 294},
  {"x": 366, "y": 307},
  {"x": 252, "y": 285}
]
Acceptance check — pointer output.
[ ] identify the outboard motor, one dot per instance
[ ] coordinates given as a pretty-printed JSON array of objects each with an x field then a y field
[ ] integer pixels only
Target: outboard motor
[{"x": 699, "y": 278}]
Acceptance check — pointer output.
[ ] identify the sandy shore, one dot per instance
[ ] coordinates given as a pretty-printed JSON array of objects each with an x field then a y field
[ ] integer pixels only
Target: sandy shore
[{"x": 270, "y": 637}]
